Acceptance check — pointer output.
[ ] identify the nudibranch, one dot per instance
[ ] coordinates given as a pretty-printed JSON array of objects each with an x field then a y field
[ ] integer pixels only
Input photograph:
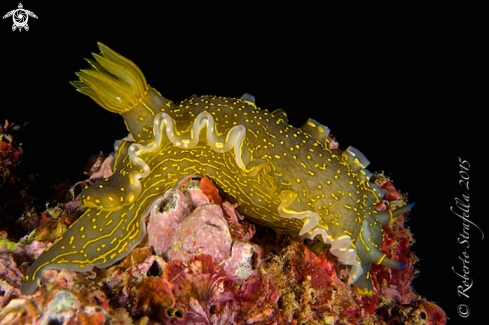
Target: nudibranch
[{"x": 283, "y": 177}]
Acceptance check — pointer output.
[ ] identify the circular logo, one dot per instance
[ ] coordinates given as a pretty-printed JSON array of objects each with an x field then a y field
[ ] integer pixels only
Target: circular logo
[{"x": 20, "y": 17}]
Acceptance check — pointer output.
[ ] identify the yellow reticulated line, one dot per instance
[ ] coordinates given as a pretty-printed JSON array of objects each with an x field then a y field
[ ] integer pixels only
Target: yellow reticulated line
[
  {"x": 381, "y": 259},
  {"x": 311, "y": 218}
]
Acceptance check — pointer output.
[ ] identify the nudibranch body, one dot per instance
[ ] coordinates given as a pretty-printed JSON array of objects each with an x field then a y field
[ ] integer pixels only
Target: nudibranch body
[{"x": 283, "y": 177}]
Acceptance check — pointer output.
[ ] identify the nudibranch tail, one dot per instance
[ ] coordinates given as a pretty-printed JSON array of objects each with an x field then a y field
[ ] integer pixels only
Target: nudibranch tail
[{"x": 368, "y": 249}]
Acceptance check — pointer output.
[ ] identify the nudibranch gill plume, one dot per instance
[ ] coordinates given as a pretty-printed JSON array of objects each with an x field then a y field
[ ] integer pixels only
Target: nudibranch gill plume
[{"x": 283, "y": 177}]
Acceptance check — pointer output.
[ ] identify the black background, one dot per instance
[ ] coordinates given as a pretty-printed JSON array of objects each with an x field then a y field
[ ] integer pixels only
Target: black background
[{"x": 402, "y": 83}]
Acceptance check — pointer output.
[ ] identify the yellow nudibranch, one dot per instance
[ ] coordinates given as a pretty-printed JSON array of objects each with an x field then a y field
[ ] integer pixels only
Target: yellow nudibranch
[{"x": 283, "y": 177}]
